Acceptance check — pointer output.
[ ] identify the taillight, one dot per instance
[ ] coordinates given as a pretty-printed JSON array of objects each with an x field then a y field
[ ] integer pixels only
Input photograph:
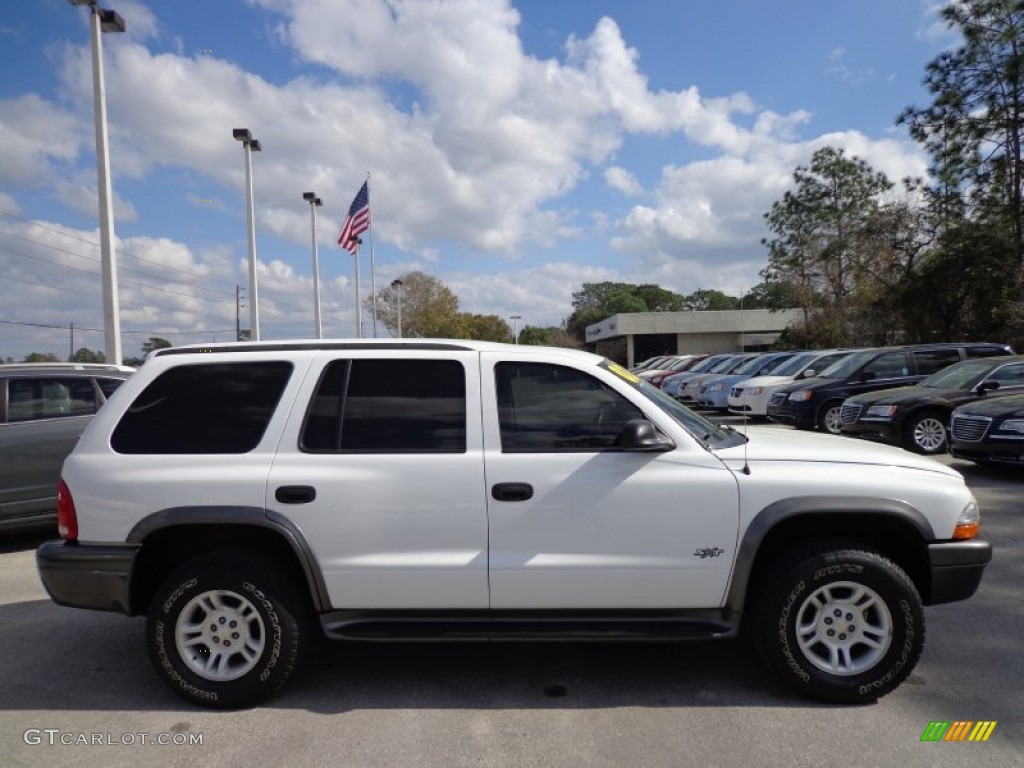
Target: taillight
[{"x": 67, "y": 519}]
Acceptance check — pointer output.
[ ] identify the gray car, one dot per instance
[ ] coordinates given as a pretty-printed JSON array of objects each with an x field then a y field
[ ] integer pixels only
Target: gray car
[{"x": 43, "y": 409}]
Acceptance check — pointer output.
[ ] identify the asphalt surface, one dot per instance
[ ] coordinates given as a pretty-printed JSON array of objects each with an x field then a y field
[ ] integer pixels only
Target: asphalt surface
[{"x": 74, "y": 675}]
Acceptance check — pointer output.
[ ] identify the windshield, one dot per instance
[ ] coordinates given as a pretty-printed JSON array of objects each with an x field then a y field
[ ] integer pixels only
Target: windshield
[
  {"x": 734, "y": 364},
  {"x": 846, "y": 366},
  {"x": 751, "y": 365},
  {"x": 722, "y": 365},
  {"x": 711, "y": 434},
  {"x": 680, "y": 363},
  {"x": 794, "y": 365},
  {"x": 707, "y": 364},
  {"x": 963, "y": 375}
]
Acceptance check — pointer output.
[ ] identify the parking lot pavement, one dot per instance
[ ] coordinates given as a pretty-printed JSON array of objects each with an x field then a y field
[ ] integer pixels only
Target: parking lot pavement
[{"x": 71, "y": 675}]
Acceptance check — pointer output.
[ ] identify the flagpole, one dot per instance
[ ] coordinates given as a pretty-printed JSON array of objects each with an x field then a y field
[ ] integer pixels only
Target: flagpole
[
  {"x": 373, "y": 270},
  {"x": 359, "y": 310}
]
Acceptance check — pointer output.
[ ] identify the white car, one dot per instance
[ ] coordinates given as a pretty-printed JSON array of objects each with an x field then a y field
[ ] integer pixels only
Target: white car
[
  {"x": 246, "y": 497},
  {"x": 750, "y": 397}
]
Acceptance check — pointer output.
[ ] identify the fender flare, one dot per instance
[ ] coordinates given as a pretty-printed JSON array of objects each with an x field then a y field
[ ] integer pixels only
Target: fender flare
[
  {"x": 238, "y": 515},
  {"x": 765, "y": 520}
]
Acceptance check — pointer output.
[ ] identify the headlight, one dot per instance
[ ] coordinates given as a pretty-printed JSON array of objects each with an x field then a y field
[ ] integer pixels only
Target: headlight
[
  {"x": 801, "y": 396},
  {"x": 881, "y": 411},
  {"x": 1012, "y": 425},
  {"x": 969, "y": 522},
  {"x": 754, "y": 390},
  {"x": 715, "y": 387}
]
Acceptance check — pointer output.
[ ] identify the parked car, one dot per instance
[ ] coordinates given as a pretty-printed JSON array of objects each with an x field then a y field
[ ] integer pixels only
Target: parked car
[
  {"x": 817, "y": 402},
  {"x": 672, "y": 363},
  {"x": 650, "y": 362},
  {"x": 247, "y": 497},
  {"x": 690, "y": 391},
  {"x": 917, "y": 417},
  {"x": 658, "y": 378},
  {"x": 714, "y": 393},
  {"x": 674, "y": 383},
  {"x": 751, "y": 397},
  {"x": 43, "y": 409},
  {"x": 989, "y": 431}
]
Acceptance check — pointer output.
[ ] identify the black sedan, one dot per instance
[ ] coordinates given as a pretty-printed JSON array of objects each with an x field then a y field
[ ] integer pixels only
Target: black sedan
[
  {"x": 916, "y": 417},
  {"x": 989, "y": 432}
]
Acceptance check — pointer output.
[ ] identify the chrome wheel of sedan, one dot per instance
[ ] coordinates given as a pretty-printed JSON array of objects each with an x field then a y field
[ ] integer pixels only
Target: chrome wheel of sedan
[{"x": 927, "y": 434}]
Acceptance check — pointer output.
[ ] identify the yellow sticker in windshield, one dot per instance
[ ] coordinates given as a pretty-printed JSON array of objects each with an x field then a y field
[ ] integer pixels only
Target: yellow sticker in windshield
[{"x": 618, "y": 370}]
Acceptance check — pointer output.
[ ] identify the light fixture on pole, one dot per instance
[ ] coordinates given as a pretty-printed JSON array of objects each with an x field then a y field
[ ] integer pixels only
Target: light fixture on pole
[
  {"x": 515, "y": 326},
  {"x": 397, "y": 285},
  {"x": 105, "y": 21},
  {"x": 314, "y": 201},
  {"x": 250, "y": 145}
]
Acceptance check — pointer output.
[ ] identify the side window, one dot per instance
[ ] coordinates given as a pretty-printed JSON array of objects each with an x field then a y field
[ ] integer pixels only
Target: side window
[
  {"x": 934, "y": 360},
  {"x": 107, "y": 386},
  {"x": 888, "y": 366},
  {"x": 388, "y": 406},
  {"x": 1009, "y": 375},
  {"x": 49, "y": 398},
  {"x": 554, "y": 409},
  {"x": 206, "y": 408},
  {"x": 985, "y": 351}
]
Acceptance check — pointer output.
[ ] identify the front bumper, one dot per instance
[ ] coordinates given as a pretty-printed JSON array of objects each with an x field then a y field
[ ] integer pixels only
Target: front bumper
[
  {"x": 956, "y": 569},
  {"x": 800, "y": 415},
  {"x": 876, "y": 431},
  {"x": 990, "y": 450},
  {"x": 96, "y": 576}
]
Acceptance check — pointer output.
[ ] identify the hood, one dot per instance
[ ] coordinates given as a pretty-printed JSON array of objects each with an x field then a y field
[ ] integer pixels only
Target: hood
[
  {"x": 995, "y": 407},
  {"x": 898, "y": 395},
  {"x": 773, "y": 444},
  {"x": 767, "y": 381}
]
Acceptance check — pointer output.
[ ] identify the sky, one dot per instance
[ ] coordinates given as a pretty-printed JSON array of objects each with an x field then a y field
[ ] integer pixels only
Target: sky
[{"x": 515, "y": 149}]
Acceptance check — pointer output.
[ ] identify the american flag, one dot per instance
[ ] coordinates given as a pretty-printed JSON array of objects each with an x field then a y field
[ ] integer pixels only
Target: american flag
[{"x": 358, "y": 220}]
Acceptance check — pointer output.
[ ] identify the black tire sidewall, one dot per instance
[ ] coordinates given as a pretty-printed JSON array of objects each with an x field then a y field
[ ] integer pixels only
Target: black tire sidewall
[
  {"x": 259, "y": 583},
  {"x": 777, "y": 639}
]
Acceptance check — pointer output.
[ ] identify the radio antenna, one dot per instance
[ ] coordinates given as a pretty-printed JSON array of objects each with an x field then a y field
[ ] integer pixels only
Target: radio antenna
[{"x": 746, "y": 439}]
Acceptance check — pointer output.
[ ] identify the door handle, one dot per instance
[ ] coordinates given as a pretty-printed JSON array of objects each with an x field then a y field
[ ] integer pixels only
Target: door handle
[
  {"x": 512, "y": 491},
  {"x": 295, "y": 494}
]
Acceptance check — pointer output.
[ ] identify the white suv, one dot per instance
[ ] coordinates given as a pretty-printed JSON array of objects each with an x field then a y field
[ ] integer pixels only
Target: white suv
[{"x": 245, "y": 496}]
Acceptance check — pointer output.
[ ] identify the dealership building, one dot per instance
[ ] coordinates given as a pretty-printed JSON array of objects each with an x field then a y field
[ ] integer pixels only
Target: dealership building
[{"x": 636, "y": 336}]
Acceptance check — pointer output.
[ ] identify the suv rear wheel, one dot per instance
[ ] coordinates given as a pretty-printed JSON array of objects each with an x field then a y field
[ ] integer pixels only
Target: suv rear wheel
[
  {"x": 225, "y": 629},
  {"x": 842, "y": 624}
]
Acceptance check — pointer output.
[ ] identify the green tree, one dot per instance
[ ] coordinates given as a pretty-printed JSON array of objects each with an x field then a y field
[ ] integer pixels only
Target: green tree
[
  {"x": 154, "y": 342},
  {"x": 484, "y": 328},
  {"x": 772, "y": 295},
  {"x": 708, "y": 299},
  {"x": 41, "y": 357},
  {"x": 86, "y": 355},
  {"x": 429, "y": 308},
  {"x": 820, "y": 244},
  {"x": 596, "y": 301},
  {"x": 552, "y": 336},
  {"x": 973, "y": 130}
]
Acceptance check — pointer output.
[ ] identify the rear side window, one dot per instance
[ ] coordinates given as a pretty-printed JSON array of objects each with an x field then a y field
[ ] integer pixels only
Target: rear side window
[
  {"x": 107, "y": 386},
  {"x": 987, "y": 351},
  {"x": 934, "y": 360},
  {"x": 207, "y": 408},
  {"x": 888, "y": 365},
  {"x": 388, "y": 406},
  {"x": 32, "y": 399}
]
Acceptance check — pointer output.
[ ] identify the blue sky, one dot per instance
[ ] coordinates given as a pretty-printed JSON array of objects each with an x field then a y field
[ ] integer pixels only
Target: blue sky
[{"x": 516, "y": 149}]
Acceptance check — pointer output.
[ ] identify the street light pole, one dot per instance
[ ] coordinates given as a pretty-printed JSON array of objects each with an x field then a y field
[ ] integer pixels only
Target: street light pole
[
  {"x": 515, "y": 326},
  {"x": 105, "y": 21},
  {"x": 250, "y": 145},
  {"x": 315, "y": 201},
  {"x": 397, "y": 285}
]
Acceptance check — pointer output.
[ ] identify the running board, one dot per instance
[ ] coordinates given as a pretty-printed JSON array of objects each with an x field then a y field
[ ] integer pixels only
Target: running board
[{"x": 354, "y": 625}]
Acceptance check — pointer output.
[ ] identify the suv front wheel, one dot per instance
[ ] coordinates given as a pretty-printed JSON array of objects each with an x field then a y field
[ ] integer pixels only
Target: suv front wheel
[
  {"x": 225, "y": 629},
  {"x": 828, "y": 417},
  {"x": 842, "y": 624}
]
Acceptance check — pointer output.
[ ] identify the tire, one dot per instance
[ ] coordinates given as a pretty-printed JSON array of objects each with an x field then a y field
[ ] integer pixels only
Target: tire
[
  {"x": 866, "y": 600},
  {"x": 226, "y": 598},
  {"x": 926, "y": 433},
  {"x": 828, "y": 417}
]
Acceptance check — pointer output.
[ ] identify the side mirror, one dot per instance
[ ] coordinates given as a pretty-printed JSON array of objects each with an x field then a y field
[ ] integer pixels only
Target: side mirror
[
  {"x": 987, "y": 386},
  {"x": 867, "y": 376},
  {"x": 810, "y": 373},
  {"x": 642, "y": 435}
]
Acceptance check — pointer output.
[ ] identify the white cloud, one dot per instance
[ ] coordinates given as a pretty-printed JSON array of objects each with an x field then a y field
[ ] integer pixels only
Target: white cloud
[
  {"x": 622, "y": 181},
  {"x": 81, "y": 196},
  {"x": 33, "y": 133}
]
